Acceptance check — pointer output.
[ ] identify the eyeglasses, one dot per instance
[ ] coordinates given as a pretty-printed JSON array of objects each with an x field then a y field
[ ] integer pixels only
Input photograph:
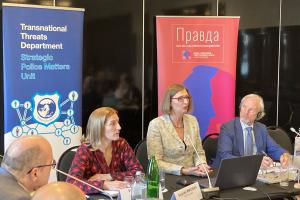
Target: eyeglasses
[
  {"x": 182, "y": 98},
  {"x": 250, "y": 110},
  {"x": 53, "y": 165}
]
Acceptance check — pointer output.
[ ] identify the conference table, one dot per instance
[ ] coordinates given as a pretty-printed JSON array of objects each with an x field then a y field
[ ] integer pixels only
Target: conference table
[{"x": 264, "y": 191}]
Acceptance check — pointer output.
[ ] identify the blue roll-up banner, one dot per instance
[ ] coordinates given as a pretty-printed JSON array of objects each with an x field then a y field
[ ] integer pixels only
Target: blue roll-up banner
[{"x": 42, "y": 55}]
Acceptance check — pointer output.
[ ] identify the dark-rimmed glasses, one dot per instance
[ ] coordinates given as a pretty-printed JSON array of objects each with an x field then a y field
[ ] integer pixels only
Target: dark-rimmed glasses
[
  {"x": 53, "y": 165},
  {"x": 182, "y": 98}
]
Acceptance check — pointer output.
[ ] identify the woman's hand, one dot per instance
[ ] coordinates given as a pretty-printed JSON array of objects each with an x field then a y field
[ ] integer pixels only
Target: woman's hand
[
  {"x": 188, "y": 170},
  {"x": 203, "y": 168},
  {"x": 114, "y": 185},
  {"x": 196, "y": 171},
  {"x": 101, "y": 177}
]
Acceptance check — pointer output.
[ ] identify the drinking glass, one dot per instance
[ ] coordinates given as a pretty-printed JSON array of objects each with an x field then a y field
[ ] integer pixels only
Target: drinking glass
[
  {"x": 285, "y": 173},
  {"x": 162, "y": 180}
]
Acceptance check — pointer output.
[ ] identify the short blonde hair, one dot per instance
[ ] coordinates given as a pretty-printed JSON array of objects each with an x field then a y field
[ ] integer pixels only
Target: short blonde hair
[
  {"x": 169, "y": 94},
  {"x": 95, "y": 125}
]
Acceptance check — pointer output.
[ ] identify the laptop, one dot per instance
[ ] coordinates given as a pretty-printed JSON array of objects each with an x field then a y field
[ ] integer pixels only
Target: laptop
[{"x": 235, "y": 172}]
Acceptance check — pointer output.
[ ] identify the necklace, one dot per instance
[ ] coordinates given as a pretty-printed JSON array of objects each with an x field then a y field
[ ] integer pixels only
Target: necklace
[{"x": 179, "y": 127}]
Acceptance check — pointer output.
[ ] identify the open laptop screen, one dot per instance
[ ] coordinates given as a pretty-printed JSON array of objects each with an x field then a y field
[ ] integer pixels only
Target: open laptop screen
[{"x": 236, "y": 172}]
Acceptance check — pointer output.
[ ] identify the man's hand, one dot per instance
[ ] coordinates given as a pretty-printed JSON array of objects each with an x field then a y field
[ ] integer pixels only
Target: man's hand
[
  {"x": 266, "y": 162},
  {"x": 285, "y": 158}
]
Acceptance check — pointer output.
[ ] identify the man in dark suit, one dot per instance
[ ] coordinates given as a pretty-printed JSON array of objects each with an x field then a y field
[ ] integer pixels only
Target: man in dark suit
[
  {"x": 245, "y": 136},
  {"x": 25, "y": 167}
]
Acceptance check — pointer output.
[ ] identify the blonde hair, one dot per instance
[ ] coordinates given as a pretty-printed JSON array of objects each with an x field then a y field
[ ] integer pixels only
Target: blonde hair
[
  {"x": 169, "y": 94},
  {"x": 95, "y": 125}
]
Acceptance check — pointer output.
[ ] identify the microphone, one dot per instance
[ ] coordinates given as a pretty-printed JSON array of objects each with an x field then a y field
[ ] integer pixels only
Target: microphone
[
  {"x": 294, "y": 131},
  {"x": 85, "y": 183},
  {"x": 206, "y": 172},
  {"x": 210, "y": 191}
]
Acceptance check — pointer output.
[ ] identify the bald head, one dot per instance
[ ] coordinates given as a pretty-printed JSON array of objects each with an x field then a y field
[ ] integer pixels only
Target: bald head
[
  {"x": 59, "y": 191},
  {"x": 25, "y": 153}
]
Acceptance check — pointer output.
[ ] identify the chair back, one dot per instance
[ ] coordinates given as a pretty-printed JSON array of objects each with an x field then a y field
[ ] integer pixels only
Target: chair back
[
  {"x": 141, "y": 154},
  {"x": 64, "y": 162},
  {"x": 281, "y": 138},
  {"x": 210, "y": 146}
]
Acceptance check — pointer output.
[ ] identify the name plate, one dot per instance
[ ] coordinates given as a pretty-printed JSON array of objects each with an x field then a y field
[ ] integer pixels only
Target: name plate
[{"x": 191, "y": 192}]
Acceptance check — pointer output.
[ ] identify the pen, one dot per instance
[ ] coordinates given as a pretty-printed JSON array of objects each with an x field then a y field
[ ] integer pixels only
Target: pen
[{"x": 265, "y": 154}]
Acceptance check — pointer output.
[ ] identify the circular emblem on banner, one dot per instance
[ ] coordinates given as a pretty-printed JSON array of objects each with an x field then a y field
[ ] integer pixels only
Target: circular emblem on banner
[{"x": 46, "y": 108}]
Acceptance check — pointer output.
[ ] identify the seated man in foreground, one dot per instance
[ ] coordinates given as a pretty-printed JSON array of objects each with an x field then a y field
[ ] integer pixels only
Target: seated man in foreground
[
  {"x": 25, "y": 167},
  {"x": 245, "y": 136}
]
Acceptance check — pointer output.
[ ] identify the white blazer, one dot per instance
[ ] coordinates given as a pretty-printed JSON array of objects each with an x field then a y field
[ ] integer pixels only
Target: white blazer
[{"x": 171, "y": 153}]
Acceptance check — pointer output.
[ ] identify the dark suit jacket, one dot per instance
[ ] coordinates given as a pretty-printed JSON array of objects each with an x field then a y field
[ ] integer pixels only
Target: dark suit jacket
[
  {"x": 231, "y": 141},
  {"x": 10, "y": 189}
]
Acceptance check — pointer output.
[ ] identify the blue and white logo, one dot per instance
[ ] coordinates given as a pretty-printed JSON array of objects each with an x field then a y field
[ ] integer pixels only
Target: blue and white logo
[{"x": 46, "y": 108}]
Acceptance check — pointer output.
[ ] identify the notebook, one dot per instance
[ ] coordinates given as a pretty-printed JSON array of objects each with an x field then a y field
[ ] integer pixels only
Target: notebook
[
  {"x": 275, "y": 174},
  {"x": 235, "y": 172}
]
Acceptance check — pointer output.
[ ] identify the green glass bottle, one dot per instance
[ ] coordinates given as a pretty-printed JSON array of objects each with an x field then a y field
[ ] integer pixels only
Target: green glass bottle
[{"x": 152, "y": 179}]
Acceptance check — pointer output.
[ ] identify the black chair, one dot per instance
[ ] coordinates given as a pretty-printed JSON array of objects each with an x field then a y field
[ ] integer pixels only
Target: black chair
[
  {"x": 64, "y": 162},
  {"x": 210, "y": 146},
  {"x": 140, "y": 151},
  {"x": 281, "y": 138}
]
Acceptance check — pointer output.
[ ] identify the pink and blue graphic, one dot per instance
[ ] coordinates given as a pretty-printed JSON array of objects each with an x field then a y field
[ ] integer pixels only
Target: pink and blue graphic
[{"x": 209, "y": 87}]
